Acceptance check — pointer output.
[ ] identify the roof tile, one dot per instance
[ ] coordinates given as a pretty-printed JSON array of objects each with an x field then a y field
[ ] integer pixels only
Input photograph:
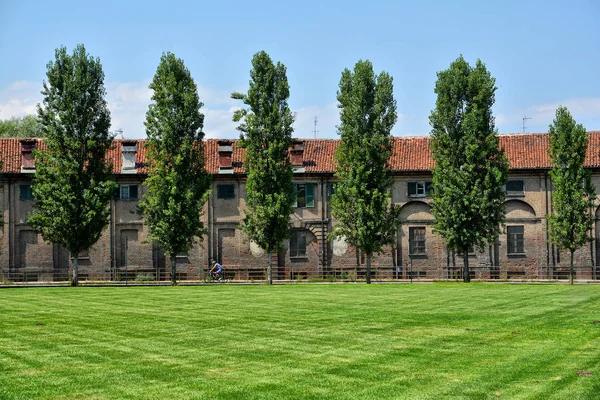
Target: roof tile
[{"x": 410, "y": 154}]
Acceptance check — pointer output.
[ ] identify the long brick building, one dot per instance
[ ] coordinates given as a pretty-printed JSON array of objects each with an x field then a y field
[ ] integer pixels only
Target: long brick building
[{"x": 522, "y": 251}]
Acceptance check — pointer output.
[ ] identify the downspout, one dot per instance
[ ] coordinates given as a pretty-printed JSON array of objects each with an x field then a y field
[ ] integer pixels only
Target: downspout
[
  {"x": 111, "y": 227},
  {"x": 447, "y": 262},
  {"x": 323, "y": 238},
  {"x": 547, "y": 237},
  {"x": 592, "y": 242},
  {"x": 10, "y": 238},
  {"x": 210, "y": 212},
  {"x": 547, "y": 224}
]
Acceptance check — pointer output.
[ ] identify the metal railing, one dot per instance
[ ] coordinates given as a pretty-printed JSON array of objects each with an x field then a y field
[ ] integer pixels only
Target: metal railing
[{"x": 258, "y": 273}]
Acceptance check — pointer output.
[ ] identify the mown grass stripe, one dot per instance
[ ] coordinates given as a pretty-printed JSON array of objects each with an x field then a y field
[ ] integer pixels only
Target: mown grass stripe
[{"x": 301, "y": 341}]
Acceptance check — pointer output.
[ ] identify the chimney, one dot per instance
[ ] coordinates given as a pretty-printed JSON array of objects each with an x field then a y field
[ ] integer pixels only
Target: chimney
[
  {"x": 27, "y": 148},
  {"x": 297, "y": 154},
  {"x": 129, "y": 151},
  {"x": 225, "y": 156}
]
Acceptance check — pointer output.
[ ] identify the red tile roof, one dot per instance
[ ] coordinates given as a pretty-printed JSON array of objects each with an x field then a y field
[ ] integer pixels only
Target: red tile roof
[{"x": 525, "y": 151}]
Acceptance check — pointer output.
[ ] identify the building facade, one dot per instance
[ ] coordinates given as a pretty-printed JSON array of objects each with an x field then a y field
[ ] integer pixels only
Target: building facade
[{"x": 124, "y": 251}]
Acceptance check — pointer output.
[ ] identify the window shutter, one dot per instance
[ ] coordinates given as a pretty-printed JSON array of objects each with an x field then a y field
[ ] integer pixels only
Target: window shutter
[
  {"x": 133, "y": 192},
  {"x": 295, "y": 195},
  {"x": 294, "y": 244},
  {"x": 25, "y": 192},
  {"x": 310, "y": 195},
  {"x": 124, "y": 192},
  {"x": 412, "y": 188}
]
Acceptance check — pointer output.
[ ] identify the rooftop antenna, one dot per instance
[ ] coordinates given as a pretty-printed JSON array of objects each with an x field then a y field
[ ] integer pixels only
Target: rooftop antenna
[
  {"x": 524, "y": 127},
  {"x": 315, "y": 131},
  {"x": 119, "y": 132}
]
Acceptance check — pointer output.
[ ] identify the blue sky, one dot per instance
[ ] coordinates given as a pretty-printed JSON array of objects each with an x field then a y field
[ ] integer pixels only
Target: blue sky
[{"x": 542, "y": 54}]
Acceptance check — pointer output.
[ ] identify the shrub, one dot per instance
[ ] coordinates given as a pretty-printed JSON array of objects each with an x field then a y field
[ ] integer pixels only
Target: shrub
[{"x": 144, "y": 278}]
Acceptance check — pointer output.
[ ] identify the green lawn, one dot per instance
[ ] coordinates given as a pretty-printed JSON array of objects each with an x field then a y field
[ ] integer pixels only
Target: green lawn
[{"x": 476, "y": 341}]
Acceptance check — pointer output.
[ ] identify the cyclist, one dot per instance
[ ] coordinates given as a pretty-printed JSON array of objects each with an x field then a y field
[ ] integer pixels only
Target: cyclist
[{"x": 217, "y": 270}]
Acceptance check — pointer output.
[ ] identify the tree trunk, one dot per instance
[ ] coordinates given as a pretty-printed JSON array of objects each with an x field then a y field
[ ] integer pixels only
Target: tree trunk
[
  {"x": 173, "y": 270},
  {"x": 369, "y": 268},
  {"x": 75, "y": 280},
  {"x": 466, "y": 272},
  {"x": 571, "y": 269},
  {"x": 270, "y": 270}
]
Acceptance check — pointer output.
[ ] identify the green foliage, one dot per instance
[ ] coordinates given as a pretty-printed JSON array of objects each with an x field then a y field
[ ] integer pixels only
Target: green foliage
[
  {"x": 178, "y": 185},
  {"x": 73, "y": 183},
  {"x": 573, "y": 195},
  {"x": 470, "y": 170},
  {"x": 266, "y": 134},
  {"x": 21, "y": 127},
  {"x": 145, "y": 277},
  {"x": 361, "y": 203}
]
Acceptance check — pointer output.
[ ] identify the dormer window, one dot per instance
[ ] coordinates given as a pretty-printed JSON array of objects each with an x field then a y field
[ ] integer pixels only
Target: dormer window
[
  {"x": 27, "y": 162},
  {"x": 129, "y": 151},
  {"x": 297, "y": 156},
  {"x": 225, "y": 157}
]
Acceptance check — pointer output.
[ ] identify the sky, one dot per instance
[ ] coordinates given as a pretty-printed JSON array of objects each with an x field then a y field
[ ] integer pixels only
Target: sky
[{"x": 543, "y": 54}]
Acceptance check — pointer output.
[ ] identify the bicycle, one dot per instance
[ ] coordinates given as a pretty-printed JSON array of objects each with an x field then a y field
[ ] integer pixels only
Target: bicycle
[{"x": 213, "y": 277}]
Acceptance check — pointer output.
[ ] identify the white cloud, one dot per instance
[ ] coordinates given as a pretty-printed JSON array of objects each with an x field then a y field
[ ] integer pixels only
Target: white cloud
[
  {"x": 19, "y": 98},
  {"x": 128, "y": 103}
]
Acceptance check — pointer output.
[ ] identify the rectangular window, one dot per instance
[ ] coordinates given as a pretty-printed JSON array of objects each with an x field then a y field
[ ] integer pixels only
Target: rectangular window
[
  {"x": 416, "y": 241},
  {"x": 226, "y": 191},
  {"x": 83, "y": 255},
  {"x": 298, "y": 244},
  {"x": 515, "y": 239},
  {"x": 419, "y": 189},
  {"x": 25, "y": 192},
  {"x": 128, "y": 192},
  {"x": 305, "y": 194},
  {"x": 515, "y": 186},
  {"x": 128, "y": 161}
]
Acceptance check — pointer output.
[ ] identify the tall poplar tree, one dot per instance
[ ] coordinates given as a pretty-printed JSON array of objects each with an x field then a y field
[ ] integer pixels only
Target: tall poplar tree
[
  {"x": 73, "y": 183},
  {"x": 178, "y": 184},
  {"x": 470, "y": 170},
  {"x": 266, "y": 134},
  {"x": 573, "y": 195},
  {"x": 361, "y": 203}
]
